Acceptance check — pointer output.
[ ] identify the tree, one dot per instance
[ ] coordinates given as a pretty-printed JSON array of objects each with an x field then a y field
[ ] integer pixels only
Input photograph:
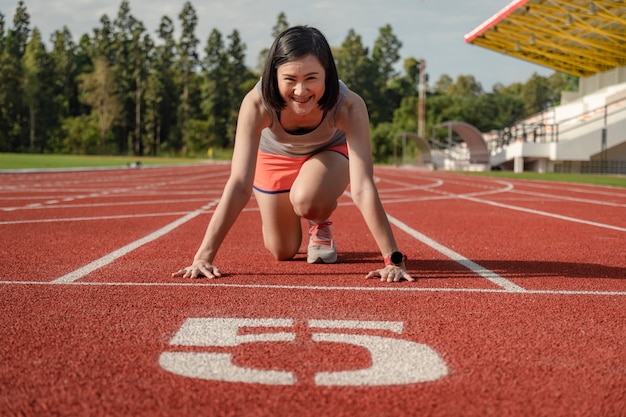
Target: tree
[
  {"x": 238, "y": 82},
  {"x": 216, "y": 94},
  {"x": 2, "y": 38},
  {"x": 154, "y": 96},
  {"x": 161, "y": 94},
  {"x": 386, "y": 53},
  {"x": 411, "y": 69},
  {"x": 357, "y": 70},
  {"x": 403, "y": 87},
  {"x": 64, "y": 59},
  {"x": 13, "y": 120},
  {"x": 81, "y": 135},
  {"x": 33, "y": 63},
  {"x": 465, "y": 85},
  {"x": 103, "y": 42},
  {"x": 132, "y": 47},
  {"x": 100, "y": 93},
  {"x": 140, "y": 49},
  {"x": 382, "y": 137},
  {"x": 187, "y": 60},
  {"x": 559, "y": 82},
  {"x": 3, "y": 122},
  {"x": 278, "y": 28},
  {"x": 124, "y": 66},
  {"x": 506, "y": 109},
  {"x": 443, "y": 84},
  {"x": 514, "y": 89},
  {"x": 18, "y": 36},
  {"x": 10, "y": 92}
]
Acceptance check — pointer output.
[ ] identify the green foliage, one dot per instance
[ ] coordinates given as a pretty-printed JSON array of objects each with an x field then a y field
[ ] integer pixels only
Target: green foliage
[
  {"x": 358, "y": 70},
  {"x": 100, "y": 92},
  {"x": 386, "y": 53},
  {"x": 119, "y": 91},
  {"x": 405, "y": 116},
  {"x": 81, "y": 135},
  {"x": 199, "y": 138},
  {"x": 382, "y": 147}
]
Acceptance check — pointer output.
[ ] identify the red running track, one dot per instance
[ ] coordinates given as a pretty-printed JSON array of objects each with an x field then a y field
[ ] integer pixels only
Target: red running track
[{"x": 519, "y": 308}]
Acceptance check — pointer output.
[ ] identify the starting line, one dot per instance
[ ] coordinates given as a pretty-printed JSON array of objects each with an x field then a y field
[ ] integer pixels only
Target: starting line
[{"x": 395, "y": 288}]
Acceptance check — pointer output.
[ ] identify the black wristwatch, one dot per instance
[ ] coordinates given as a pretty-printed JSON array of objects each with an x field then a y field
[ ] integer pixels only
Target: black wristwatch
[{"x": 396, "y": 258}]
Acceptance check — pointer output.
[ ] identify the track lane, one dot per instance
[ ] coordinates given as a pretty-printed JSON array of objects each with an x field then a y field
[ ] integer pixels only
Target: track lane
[
  {"x": 93, "y": 346},
  {"x": 98, "y": 354},
  {"x": 507, "y": 239}
]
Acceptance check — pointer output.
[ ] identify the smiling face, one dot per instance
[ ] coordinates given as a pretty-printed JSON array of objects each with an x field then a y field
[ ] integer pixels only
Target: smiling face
[{"x": 301, "y": 84}]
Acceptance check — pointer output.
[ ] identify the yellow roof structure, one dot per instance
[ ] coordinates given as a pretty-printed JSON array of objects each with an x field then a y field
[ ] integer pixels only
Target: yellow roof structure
[{"x": 577, "y": 37}]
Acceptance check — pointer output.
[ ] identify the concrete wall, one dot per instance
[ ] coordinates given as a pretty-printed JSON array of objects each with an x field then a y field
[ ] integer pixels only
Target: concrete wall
[
  {"x": 593, "y": 83},
  {"x": 587, "y": 140}
]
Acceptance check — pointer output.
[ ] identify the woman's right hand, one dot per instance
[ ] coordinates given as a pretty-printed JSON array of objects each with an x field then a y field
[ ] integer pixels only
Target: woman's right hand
[{"x": 197, "y": 270}]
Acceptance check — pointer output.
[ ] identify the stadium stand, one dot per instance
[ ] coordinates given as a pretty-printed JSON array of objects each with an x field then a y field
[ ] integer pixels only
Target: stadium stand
[{"x": 587, "y": 131}]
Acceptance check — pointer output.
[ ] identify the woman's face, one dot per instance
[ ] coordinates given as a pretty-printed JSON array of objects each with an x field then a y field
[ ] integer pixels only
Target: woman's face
[{"x": 302, "y": 84}]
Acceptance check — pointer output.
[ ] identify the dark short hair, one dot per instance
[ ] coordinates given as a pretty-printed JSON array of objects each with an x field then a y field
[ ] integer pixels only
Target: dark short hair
[{"x": 293, "y": 44}]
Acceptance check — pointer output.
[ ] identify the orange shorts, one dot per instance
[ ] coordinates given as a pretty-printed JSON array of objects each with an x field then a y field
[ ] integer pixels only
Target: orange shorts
[{"x": 276, "y": 173}]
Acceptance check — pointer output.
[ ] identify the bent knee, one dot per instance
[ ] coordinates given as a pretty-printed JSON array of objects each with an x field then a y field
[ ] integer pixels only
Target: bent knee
[
  {"x": 282, "y": 254},
  {"x": 283, "y": 250},
  {"x": 313, "y": 208}
]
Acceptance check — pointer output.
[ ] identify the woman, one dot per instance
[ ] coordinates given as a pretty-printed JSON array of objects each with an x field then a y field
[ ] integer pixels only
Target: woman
[{"x": 301, "y": 137}]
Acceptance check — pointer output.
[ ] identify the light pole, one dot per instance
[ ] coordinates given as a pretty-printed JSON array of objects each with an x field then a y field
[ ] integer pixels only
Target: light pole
[{"x": 421, "y": 98}]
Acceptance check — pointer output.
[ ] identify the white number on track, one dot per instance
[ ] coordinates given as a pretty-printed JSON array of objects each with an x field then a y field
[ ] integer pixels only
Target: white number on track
[{"x": 394, "y": 361}]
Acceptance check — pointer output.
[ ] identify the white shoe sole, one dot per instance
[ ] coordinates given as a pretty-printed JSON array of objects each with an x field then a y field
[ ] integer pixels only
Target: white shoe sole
[{"x": 329, "y": 258}]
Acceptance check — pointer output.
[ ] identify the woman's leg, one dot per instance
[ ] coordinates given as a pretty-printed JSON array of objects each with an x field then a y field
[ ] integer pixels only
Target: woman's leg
[
  {"x": 320, "y": 182},
  {"x": 322, "y": 179},
  {"x": 282, "y": 229}
]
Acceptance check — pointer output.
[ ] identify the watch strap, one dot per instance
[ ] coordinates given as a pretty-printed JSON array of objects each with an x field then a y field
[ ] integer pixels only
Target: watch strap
[{"x": 388, "y": 261}]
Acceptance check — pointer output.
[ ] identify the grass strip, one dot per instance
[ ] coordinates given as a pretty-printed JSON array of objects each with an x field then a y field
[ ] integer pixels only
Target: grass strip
[
  {"x": 597, "y": 179},
  {"x": 48, "y": 161}
]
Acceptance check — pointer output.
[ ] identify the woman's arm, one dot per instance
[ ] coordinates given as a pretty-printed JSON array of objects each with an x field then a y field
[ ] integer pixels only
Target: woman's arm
[
  {"x": 354, "y": 121},
  {"x": 252, "y": 119}
]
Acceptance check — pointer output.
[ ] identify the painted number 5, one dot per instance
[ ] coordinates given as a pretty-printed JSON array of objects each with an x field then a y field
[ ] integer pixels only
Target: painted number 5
[{"x": 394, "y": 361}]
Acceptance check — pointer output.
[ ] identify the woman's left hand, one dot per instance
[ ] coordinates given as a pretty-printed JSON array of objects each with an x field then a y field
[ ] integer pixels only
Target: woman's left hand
[{"x": 391, "y": 273}]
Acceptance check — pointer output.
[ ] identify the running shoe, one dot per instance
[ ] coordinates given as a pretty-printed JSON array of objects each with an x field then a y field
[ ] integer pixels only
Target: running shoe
[{"x": 322, "y": 249}]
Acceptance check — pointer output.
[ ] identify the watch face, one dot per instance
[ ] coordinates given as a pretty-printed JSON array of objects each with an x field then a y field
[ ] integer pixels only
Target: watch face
[{"x": 396, "y": 258}]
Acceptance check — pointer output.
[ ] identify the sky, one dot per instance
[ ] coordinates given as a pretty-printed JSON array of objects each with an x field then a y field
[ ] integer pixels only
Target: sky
[{"x": 432, "y": 30}]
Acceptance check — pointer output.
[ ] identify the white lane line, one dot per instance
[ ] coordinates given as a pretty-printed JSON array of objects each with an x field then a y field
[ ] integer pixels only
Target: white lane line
[
  {"x": 116, "y": 217},
  {"x": 107, "y": 259},
  {"x": 575, "y": 199},
  {"x": 510, "y": 187},
  {"x": 130, "y": 189},
  {"x": 606, "y": 190},
  {"x": 96, "y": 218},
  {"x": 472, "y": 266},
  {"x": 112, "y": 204},
  {"x": 394, "y": 288},
  {"x": 543, "y": 213}
]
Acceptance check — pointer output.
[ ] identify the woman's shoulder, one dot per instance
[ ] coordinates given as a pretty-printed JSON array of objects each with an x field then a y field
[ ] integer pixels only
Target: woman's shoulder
[
  {"x": 352, "y": 103},
  {"x": 352, "y": 113},
  {"x": 253, "y": 108},
  {"x": 347, "y": 97},
  {"x": 353, "y": 98},
  {"x": 255, "y": 97}
]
